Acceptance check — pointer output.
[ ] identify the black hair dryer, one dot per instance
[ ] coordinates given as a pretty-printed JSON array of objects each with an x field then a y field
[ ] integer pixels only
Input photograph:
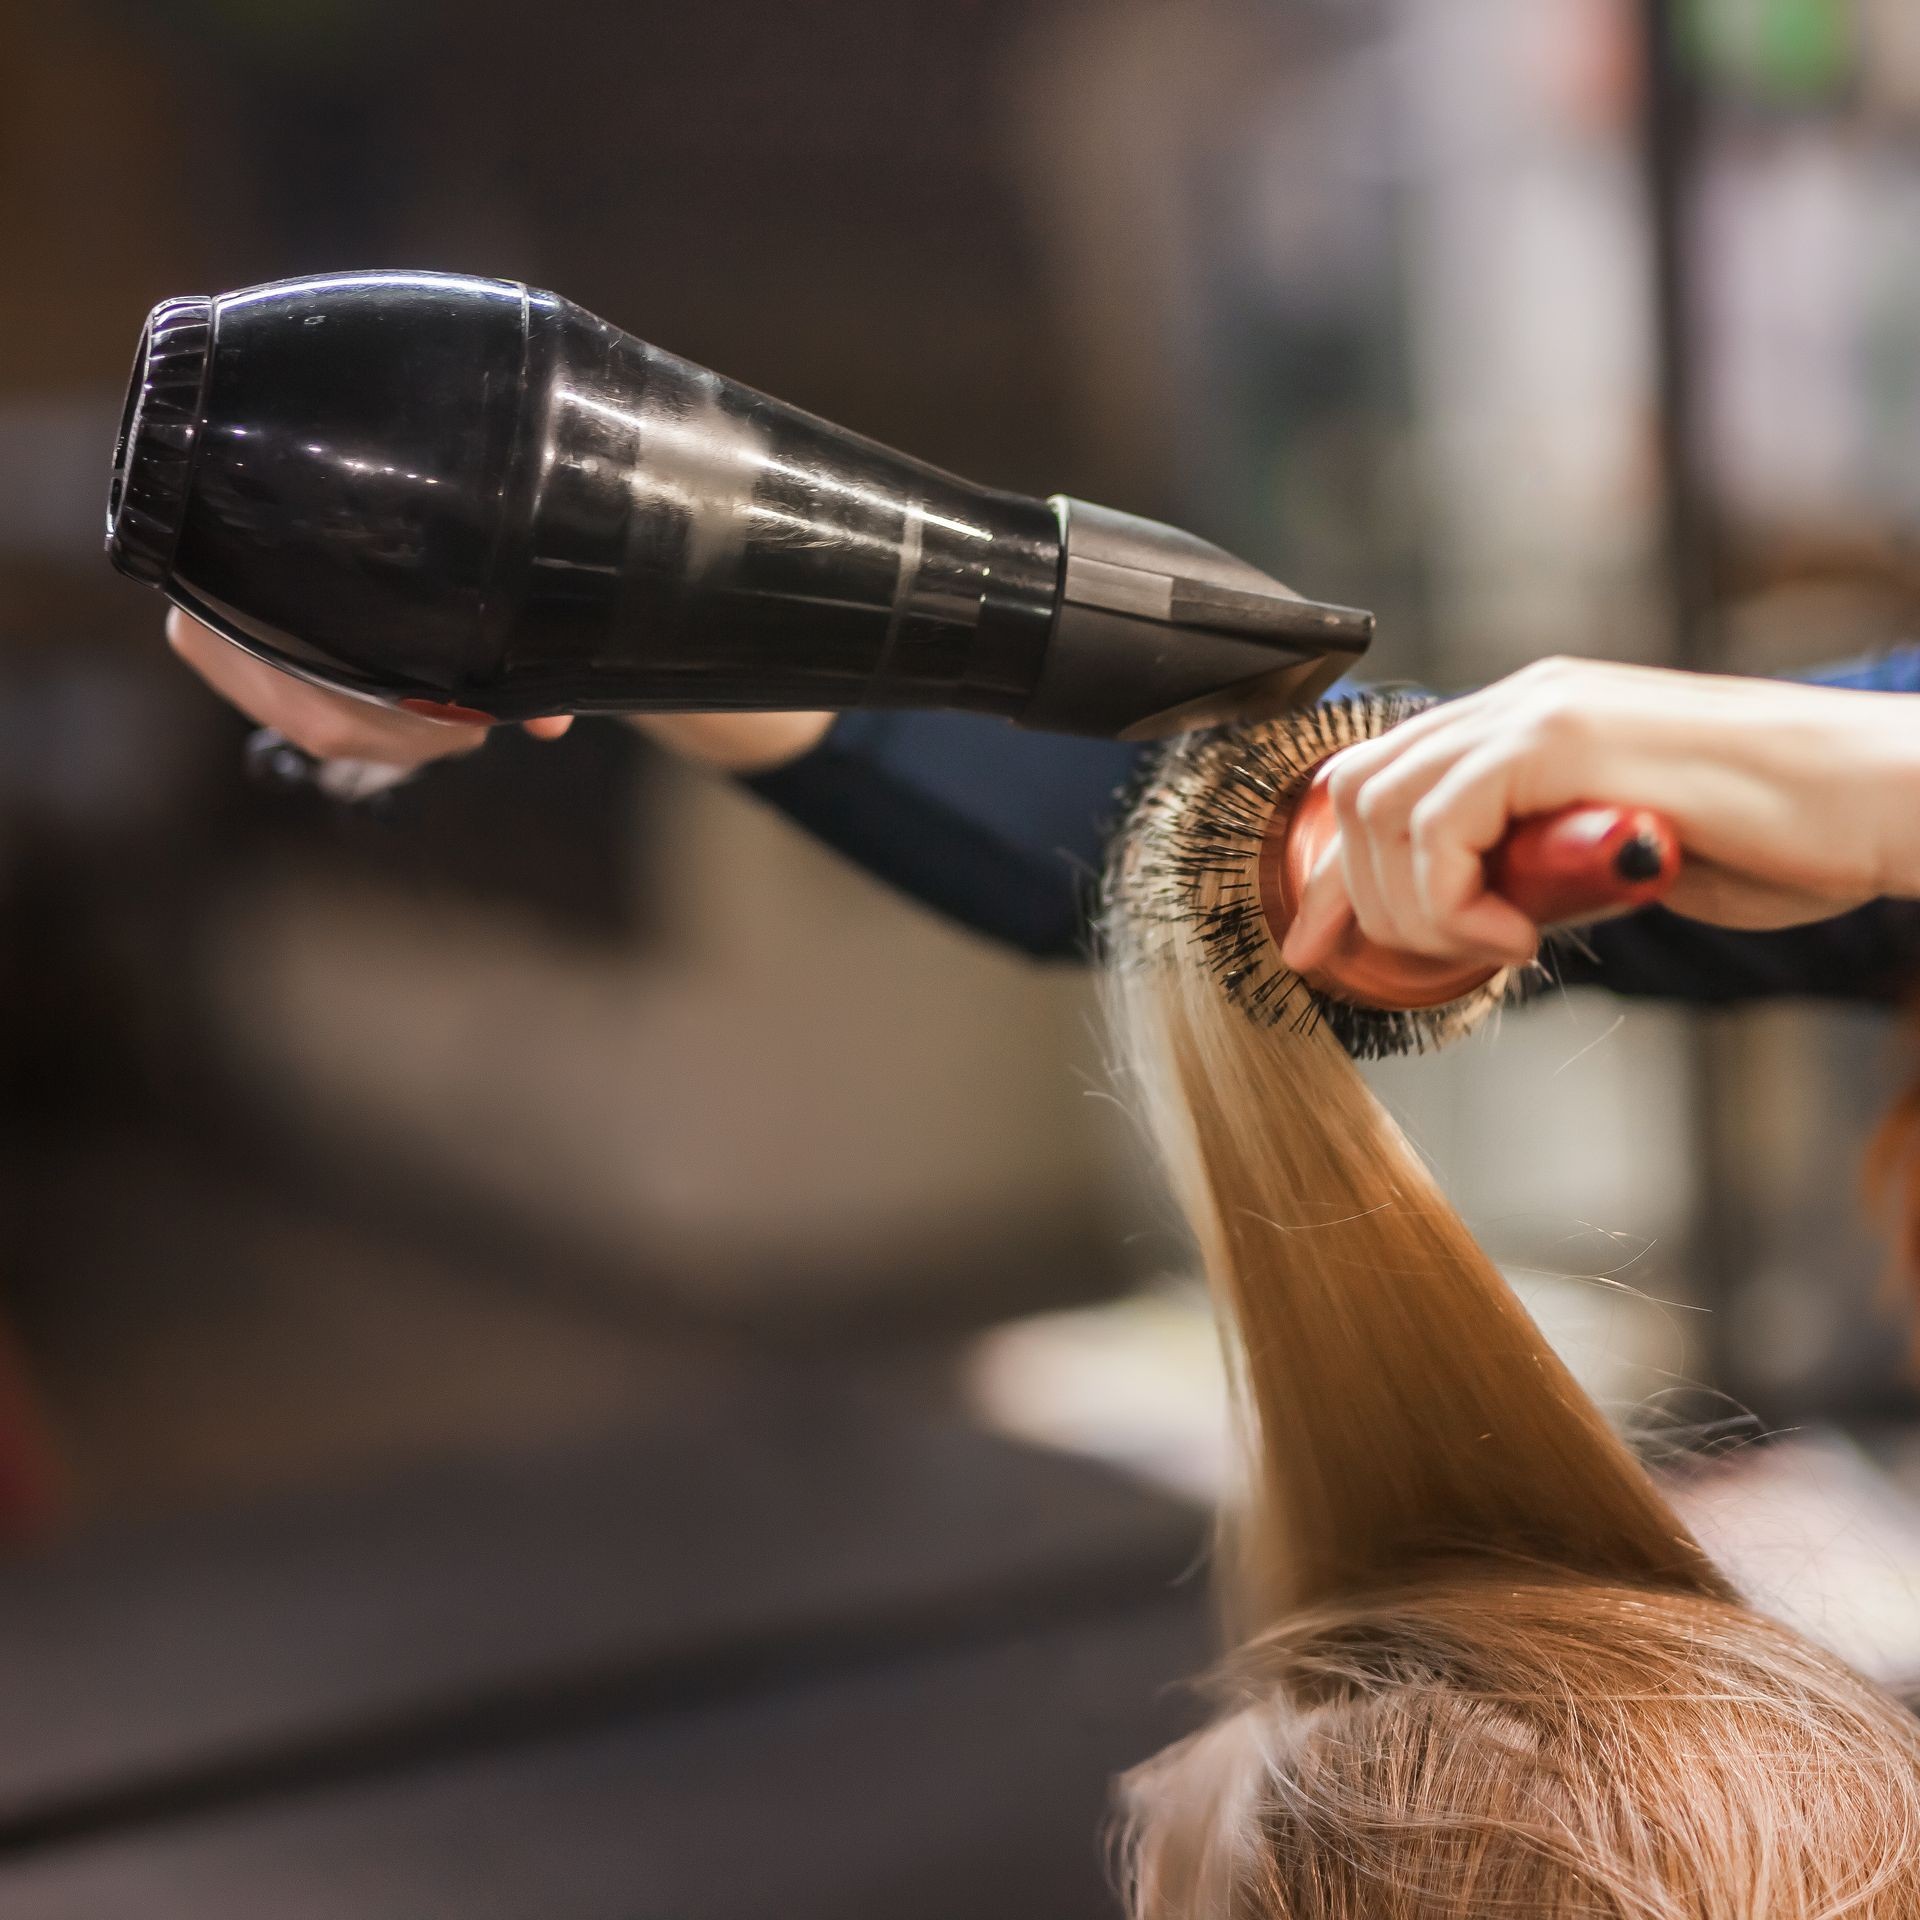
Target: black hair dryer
[{"x": 474, "y": 500}]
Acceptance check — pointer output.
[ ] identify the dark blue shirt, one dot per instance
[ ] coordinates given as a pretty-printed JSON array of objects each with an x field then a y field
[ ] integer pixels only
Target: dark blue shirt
[{"x": 1005, "y": 831}]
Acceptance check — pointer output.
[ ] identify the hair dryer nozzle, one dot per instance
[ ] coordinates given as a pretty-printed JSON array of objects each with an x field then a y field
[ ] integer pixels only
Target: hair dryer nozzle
[{"x": 1159, "y": 630}]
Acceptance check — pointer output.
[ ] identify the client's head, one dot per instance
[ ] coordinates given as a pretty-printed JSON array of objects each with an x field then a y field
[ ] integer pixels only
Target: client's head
[
  {"x": 1504, "y": 1742},
  {"x": 1481, "y": 1667}
]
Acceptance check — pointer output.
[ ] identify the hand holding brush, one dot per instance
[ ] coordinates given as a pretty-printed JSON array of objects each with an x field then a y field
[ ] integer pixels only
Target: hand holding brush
[
  {"x": 1790, "y": 803},
  {"x": 1387, "y": 864}
]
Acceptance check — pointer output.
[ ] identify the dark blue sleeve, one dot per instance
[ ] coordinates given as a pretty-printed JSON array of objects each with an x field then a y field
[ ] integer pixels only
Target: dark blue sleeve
[
  {"x": 999, "y": 829},
  {"x": 1005, "y": 831}
]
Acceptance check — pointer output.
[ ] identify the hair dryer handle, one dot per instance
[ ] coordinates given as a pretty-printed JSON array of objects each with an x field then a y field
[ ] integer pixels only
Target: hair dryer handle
[{"x": 1585, "y": 862}]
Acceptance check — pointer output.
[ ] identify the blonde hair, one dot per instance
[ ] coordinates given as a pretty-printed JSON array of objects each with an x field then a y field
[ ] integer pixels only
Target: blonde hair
[{"x": 1480, "y": 1667}]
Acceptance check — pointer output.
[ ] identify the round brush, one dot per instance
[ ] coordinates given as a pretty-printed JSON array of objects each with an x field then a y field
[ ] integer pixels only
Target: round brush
[{"x": 1232, "y": 822}]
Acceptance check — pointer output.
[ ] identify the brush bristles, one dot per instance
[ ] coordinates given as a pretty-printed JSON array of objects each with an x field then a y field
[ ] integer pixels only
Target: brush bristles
[{"x": 1186, "y": 863}]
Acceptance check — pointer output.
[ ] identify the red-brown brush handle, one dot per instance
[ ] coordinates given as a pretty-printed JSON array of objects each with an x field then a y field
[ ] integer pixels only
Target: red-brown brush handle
[
  {"x": 1585, "y": 861},
  {"x": 1557, "y": 868}
]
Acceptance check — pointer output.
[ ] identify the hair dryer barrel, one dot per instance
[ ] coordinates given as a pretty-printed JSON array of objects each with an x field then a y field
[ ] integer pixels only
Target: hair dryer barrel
[{"x": 466, "y": 495}]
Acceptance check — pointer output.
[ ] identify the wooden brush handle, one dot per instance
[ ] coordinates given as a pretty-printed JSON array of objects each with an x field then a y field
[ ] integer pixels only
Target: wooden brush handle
[{"x": 1584, "y": 862}]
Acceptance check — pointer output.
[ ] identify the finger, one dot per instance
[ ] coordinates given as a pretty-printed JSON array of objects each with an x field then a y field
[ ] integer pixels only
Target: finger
[
  {"x": 1463, "y": 816},
  {"x": 1372, "y": 756},
  {"x": 1460, "y": 918},
  {"x": 1373, "y": 861},
  {"x": 1387, "y": 805},
  {"x": 1492, "y": 932},
  {"x": 1460, "y": 820},
  {"x": 1350, "y": 851},
  {"x": 1388, "y": 849},
  {"x": 1325, "y": 913},
  {"x": 330, "y": 726},
  {"x": 1488, "y": 931},
  {"x": 261, "y": 692},
  {"x": 551, "y": 727},
  {"x": 1469, "y": 809}
]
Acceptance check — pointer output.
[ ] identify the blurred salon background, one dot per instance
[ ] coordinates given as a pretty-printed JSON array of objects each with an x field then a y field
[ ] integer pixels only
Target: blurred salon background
[{"x": 567, "y": 1355}]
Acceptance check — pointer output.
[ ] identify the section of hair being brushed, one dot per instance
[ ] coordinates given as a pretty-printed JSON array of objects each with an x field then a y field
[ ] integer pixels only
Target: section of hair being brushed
[
  {"x": 1481, "y": 1667},
  {"x": 1401, "y": 1402}
]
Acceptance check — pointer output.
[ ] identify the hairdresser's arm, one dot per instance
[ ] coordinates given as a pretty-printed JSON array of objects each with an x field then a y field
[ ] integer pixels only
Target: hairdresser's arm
[
  {"x": 333, "y": 726},
  {"x": 1001, "y": 830},
  {"x": 1004, "y": 830},
  {"x": 998, "y": 829},
  {"x": 1799, "y": 807}
]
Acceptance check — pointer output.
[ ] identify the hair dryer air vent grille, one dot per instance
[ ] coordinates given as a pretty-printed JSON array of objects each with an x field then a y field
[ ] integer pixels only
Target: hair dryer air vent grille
[{"x": 154, "y": 456}]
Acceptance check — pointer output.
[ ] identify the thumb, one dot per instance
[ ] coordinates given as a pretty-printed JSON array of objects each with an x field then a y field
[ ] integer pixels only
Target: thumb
[{"x": 550, "y": 728}]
